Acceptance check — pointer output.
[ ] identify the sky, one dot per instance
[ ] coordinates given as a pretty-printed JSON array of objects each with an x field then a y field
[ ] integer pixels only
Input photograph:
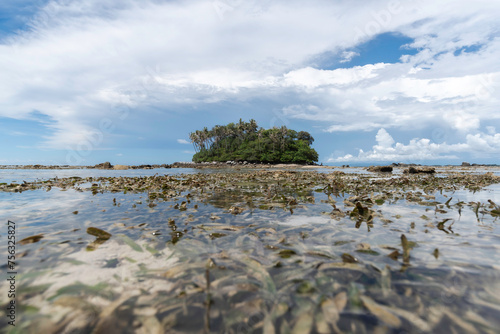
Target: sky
[{"x": 126, "y": 81}]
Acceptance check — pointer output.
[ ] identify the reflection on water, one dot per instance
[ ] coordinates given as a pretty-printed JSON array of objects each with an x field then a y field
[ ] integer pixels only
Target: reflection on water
[
  {"x": 28, "y": 175},
  {"x": 261, "y": 251}
]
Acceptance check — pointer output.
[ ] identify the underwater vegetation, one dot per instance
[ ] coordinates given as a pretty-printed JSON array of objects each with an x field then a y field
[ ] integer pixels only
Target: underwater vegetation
[{"x": 262, "y": 251}]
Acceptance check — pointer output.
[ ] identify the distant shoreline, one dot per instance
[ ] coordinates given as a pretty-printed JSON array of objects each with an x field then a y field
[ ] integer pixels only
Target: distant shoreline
[{"x": 109, "y": 166}]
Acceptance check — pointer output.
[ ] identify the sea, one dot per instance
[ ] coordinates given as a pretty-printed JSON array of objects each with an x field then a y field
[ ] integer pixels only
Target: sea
[{"x": 242, "y": 257}]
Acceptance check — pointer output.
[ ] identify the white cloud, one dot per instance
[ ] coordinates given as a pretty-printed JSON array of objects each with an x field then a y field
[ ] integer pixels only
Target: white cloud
[
  {"x": 384, "y": 139},
  {"x": 183, "y": 141},
  {"x": 422, "y": 149},
  {"x": 86, "y": 59},
  {"x": 480, "y": 142},
  {"x": 311, "y": 78},
  {"x": 347, "y": 56},
  {"x": 386, "y": 97}
]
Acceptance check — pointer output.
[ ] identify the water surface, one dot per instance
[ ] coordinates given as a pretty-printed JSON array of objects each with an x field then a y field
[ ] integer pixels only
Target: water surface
[{"x": 254, "y": 250}]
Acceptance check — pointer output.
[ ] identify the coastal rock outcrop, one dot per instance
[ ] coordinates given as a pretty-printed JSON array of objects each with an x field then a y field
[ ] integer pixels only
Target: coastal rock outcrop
[
  {"x": 380, "y": 169},
  {"x": 120, "y": 167},
  {"x": 104, "y": 165},
  {"x": 420, "y": 170}
]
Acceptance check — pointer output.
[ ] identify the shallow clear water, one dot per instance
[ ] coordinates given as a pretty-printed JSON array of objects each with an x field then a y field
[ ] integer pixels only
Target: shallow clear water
[
  {"x": 20, "y": 175},
  {"x": 275, "y": 265}
]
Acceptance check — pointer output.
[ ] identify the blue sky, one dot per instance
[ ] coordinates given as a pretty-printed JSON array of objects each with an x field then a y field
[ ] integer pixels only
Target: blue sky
[{"x": 126, "y": 81}]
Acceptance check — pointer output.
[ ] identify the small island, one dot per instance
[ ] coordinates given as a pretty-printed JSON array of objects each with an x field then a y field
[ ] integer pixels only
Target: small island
[{"x": 245, "y": 141}]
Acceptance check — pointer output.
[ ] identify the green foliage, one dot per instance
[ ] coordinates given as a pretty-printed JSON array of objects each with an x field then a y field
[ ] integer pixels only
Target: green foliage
[{"x": 245, "y": 141}]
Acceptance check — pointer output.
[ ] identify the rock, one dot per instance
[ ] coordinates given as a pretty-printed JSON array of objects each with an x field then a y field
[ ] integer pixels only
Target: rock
[
  {"x": 184, "y": 165},
  {"x": 380, "y": 169},
  {"x": 419, "y": 170},
  {"x": 465, "y": 164},
  {"x": 120, "y": 167},
  {"x": 235, "y": 210},
  {"x": 97, "y": 232},
  {"x": 104, "y": 165},
  {"x": 401, "y": 164},
  {"x": 31, "y": 240}
]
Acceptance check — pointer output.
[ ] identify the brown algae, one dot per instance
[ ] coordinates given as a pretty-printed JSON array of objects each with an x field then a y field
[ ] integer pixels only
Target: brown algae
[{"x": 267, "y": 251}]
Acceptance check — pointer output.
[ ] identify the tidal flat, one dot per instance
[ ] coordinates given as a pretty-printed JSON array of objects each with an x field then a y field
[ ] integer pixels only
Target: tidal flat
[{"x": 262, "y": 250}]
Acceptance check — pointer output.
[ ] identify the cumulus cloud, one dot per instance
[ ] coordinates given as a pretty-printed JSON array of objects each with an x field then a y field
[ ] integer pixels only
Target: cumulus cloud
[
  {"x": 86, "y": 61},
  {"x": 384, "y": 139},
  {"x": 347, "y": 56},
  {"x": 92, "y": 57},
  {"x": 421, "y": 149},
  {"x": 312, "y": 78},
  {"x": 183, "y": 141},
  {"x": 385, "y": 97}
]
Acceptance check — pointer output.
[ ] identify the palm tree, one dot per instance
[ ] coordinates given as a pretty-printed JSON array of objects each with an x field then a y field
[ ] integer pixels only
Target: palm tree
[
  {"x": 199, "y": 135},
  {"x": 223, "y": 134},
  {"x": 240, "y": 127},
  {"x": 273, "y": 135},
  {"x": 252, "y": 126},
  {"x": 282, "y": 136},
  {"x": 205, "y": 137},
  {"x": 260, "y": 134},
  {"x": 194, "y": 141},
  {"x": 216, "y": 135}
]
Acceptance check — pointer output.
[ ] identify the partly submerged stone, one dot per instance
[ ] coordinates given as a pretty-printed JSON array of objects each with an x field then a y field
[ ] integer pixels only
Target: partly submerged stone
[
  {"x": 380, "y": 169},
  {"x": 420, "y": 170},
  {"x": 97, "y": 232},
  {"x": 30, "y": 240},
  {"x": 104, "y": 165}
]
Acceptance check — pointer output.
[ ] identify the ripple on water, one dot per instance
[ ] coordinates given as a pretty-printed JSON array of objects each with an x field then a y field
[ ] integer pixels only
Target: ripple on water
[{"x": 288, "y": 258}]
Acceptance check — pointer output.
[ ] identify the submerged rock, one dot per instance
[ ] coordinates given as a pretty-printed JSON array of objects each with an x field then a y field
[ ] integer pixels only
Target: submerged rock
[
  {"x": 31, "y": 240},
  {"x": 97, "y": 232}
]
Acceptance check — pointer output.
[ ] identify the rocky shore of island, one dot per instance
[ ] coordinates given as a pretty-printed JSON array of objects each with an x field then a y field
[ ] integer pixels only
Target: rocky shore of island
[
  {"x": 108, "y": 165},
  {"x": 408, "y": 168},
  {"x": 104, "y": 165}
]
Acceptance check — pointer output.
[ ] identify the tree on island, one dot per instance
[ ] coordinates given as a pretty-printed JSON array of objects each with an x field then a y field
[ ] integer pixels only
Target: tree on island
[{"x": 245, "y": 141}]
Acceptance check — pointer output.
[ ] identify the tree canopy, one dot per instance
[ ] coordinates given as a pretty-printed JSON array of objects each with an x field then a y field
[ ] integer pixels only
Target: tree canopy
[{"x": 245, "y": 141}]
